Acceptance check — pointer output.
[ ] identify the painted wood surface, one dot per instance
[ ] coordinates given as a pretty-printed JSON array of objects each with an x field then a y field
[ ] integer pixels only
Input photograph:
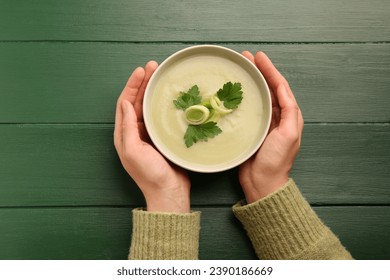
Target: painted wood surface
[
  {"x": 80, "y": 82},
  {"x": 48, "y": 165},
  {"x": 187, "y": 20},
  {"x": 63, "y": 192},
  {"x": 105, "y": 232}
]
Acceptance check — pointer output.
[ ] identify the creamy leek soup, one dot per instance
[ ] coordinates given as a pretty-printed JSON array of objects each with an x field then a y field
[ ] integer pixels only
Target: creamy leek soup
[{"x": 241, "y": 129}]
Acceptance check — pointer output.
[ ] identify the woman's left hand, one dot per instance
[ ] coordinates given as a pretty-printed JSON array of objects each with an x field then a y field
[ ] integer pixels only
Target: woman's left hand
[{"x": 166, "y": 187}]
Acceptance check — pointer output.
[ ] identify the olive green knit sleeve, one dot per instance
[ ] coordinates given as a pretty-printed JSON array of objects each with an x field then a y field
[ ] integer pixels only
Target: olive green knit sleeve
[
  {"x": 164, "y": 236},
  {"x": 284, "y": 226}
]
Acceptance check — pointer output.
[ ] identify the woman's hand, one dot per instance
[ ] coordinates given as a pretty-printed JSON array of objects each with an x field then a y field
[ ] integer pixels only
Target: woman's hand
[
  {"x": 269, "y": 168},
  {"x": 166, "y": 187}
]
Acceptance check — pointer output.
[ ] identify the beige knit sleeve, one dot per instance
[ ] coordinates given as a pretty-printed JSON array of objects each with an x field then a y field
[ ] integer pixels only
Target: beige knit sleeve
[
  {"x": 284, "y": 226},
  {"x": 164, "y": 236}
]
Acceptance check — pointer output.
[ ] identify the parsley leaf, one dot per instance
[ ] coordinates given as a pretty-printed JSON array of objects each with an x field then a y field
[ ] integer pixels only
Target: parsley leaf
[
  {"x": 223, "y": 102},
  {"x": 231, "y": 95},
  {"x": 189, "y": 98},
  {"x": 200, "y": 132}
]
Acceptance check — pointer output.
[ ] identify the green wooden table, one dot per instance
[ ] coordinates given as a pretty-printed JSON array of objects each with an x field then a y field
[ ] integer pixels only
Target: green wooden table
[{"x": 63, "y": 192}]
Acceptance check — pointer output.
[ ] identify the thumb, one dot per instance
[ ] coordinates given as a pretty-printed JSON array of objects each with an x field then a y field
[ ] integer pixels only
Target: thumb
[{"x": 130, "y": 133}]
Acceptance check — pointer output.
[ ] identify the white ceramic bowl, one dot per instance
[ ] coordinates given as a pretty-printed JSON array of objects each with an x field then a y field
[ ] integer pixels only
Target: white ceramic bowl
[{"x": 243, "y": 64}]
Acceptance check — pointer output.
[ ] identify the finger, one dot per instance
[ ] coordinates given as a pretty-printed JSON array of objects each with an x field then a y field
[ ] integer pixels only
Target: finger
[
  {"x": 275, "y": 118},
  {"x": 130, "y": 134},
  {"x": 300, "y": 125},
  {"x": 249, "y": 56},
  {"x": 275, "y": 106},
  {"x": 273, "y": 77},
  {"x": 289, "y": 111},
  {"x": 118, "y": 129},
  {"x": 271, "y": 74},
  {"x": 128, "y": 93},
  {"x": 150, "y": 67},
  {"x": 143, "y": 134},
  {"x": 274, "y": 100},
  {"x": 132, "y": 86},
  {"x": 301, "y": 122}
]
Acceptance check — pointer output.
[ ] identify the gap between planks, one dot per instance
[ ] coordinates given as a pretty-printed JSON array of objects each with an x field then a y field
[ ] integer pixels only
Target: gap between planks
[
  {"x": 194, "y": 206},
  {"x": 111, "y": 124},
  {"x": 202, "y": 42}
]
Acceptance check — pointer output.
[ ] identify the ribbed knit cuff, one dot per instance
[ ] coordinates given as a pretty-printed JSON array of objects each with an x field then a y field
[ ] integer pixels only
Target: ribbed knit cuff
[
  {"x": 284, "y": 226},
  {"x": 164, "y": 236}
]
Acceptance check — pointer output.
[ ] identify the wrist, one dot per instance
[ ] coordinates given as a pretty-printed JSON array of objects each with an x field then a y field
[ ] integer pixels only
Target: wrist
[
  {"x": 168, "y": 200},
  {"x": 261, "y": 185}
]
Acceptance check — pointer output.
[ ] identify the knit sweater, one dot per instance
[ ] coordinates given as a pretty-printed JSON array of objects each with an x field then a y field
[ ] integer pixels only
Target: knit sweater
[{"x": 280, "y": 226}]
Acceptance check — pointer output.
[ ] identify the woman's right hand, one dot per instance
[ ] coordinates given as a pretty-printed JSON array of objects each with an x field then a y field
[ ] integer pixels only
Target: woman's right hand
[{"x": 269, "y": 168}]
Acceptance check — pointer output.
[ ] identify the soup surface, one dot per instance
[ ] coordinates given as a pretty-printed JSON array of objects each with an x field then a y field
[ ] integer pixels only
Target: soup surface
[{"x": 241, "y": 129}]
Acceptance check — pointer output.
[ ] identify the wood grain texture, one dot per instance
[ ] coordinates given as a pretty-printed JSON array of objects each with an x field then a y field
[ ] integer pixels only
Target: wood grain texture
[
  {"x": 80, "y": 82},
  {"x": 63, "y": 191},
  {"x": 185, "y": 20},
  {"x": 48, "y": 165},
  {"x": 104, "y": 233}
]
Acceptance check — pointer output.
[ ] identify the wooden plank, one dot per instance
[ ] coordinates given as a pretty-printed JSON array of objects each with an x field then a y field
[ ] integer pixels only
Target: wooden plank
[
  {"x": 344, "y": 163},
  {"x": 62, "y": 165},
  {"x": 48, "y": 165},
  {"x": 45, "y": 165},
  {"x": 80, "y": 82},
  {"x": 265, "y": 21},
  {"x": 104, "y": 233},
  {"x": 364, "y": 231}
]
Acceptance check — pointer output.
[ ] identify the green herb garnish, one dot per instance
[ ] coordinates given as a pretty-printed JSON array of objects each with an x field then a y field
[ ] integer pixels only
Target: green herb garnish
[
  {"x": 189, "y": 98},
  {"x": 200, "y": 132},
  {"x": 202, "y": 117},
  {"x": 231, "y": 95}
]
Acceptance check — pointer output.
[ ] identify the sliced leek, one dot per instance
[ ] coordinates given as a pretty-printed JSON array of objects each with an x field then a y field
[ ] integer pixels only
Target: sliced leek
[
  {"x": 197, "y": 114},
  {"x": 202, "y": 116},
  {"x": 217, "y": 105}
]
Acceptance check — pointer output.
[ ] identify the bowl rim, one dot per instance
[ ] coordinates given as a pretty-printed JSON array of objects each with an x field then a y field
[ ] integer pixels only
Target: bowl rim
[{"x": 176, "y": 159}]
